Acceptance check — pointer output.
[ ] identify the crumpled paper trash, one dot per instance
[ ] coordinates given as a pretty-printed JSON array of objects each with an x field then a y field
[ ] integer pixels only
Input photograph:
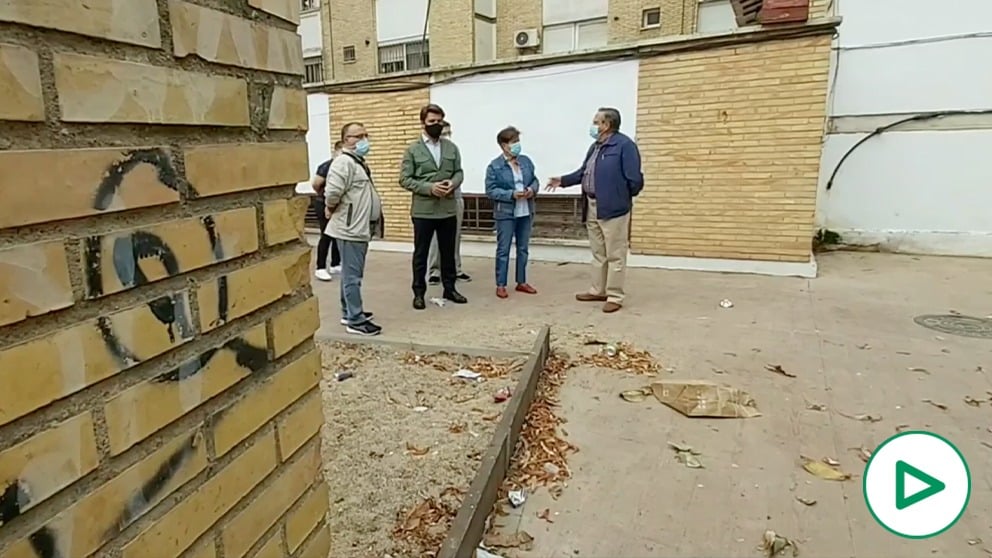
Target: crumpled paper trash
[{"x": 702, "y": 398}]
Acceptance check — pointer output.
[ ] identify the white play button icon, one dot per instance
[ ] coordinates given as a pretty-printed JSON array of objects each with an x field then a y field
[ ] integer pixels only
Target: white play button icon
[{"x": 917, "y": 484}]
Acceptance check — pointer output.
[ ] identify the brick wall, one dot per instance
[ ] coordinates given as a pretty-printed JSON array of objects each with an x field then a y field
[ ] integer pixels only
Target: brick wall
[
  {"x": 352, "y": 24},
  {"x": 731, "y": 142},
  {"x": 512, "y": 16},
  {"x": 159, "y": 378},
  {"x": 678, "y": 17},
  {"x": 452, "y": 32},
  {"x": 393, "y": 122}
]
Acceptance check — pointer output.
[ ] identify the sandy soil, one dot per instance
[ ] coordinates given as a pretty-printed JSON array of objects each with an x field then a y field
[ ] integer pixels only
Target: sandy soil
[{"x": 402, "y": 442}]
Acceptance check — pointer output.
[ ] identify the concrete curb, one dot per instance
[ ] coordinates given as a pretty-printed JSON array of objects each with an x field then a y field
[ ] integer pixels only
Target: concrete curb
[
  {"x": 421, "y": 347},
  {"x": 470, "y": 523}
]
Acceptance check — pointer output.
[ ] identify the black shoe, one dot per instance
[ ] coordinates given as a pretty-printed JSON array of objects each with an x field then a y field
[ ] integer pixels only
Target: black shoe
[
  {"x": 367, "y": 329},
  {"x": 464, "y": 277},
  {"x": 418, "y": 302},
  {"x": 455, "y": 296},
  {"x": 367, "y": 315},
  {"x": 434, "y": 280}
]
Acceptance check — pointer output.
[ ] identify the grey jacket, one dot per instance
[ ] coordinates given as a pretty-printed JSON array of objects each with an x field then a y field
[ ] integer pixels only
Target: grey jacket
[{"x": 350, "y": 191}]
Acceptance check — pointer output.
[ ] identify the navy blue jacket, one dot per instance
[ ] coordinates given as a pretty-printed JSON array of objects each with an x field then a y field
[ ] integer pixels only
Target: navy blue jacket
[
  {"x": 500, "y": 185},
  {"x": 618, "y": 177}
]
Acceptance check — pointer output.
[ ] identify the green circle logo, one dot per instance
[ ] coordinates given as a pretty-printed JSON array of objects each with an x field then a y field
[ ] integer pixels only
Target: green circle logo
[{"x": 917, "y": 484}]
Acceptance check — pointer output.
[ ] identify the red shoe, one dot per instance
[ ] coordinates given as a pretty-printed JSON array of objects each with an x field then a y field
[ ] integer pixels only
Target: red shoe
[
  {"x": 525, "y": 288},
  {"x": 501, "y": 292}
]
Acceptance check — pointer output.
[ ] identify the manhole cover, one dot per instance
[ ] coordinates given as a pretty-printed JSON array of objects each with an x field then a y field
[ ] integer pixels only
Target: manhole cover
[{"x": 953, "y": 324}]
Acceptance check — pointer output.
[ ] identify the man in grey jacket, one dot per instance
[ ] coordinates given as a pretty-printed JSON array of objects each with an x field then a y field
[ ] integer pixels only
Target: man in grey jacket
[{"x": 356, "y": 214}]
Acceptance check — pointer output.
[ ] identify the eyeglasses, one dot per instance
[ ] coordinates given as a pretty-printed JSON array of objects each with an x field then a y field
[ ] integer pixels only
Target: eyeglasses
[{"x": 357, "y": 136}]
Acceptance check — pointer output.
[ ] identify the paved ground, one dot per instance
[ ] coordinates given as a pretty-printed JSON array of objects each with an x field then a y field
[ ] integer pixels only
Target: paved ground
[{"x": 848, "y": 335}]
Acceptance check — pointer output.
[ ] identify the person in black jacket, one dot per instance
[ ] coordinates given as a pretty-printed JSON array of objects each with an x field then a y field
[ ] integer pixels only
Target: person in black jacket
[{"x": 326, "y": 244}]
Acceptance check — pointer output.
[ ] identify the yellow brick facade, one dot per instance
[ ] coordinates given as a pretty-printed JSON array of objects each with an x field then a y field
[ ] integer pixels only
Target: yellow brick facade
[
  {"x": 351, "y": 24},
  {"x": 393, "y": 122},
  {"x": 158, "y": 377},
  {"x": 731, "y": 142}
]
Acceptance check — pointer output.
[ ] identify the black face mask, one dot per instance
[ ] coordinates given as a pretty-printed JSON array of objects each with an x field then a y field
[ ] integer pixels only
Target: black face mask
[{"x": 434, "y": 130}]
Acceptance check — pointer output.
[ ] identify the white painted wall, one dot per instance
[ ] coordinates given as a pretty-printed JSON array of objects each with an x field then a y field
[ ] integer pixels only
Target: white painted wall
[
  {"x": 318, "y": 135},
  {"x": 399, "y": 21},
  {"x": 309, "y": 31},
  {"x": 566, "y": 11},
  {"x": 552, "y": 106},
  {"x": 914, "y": 191}
]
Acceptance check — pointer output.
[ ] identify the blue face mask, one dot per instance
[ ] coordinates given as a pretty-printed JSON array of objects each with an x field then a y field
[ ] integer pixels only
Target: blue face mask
[
  {"x": 594, "y": 131},
  {"x": 362, "y": 147},
  {"x": 515, "y": 149}
]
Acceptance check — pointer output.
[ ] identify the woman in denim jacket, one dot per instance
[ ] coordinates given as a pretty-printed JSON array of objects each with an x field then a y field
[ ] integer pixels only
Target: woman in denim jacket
[{"x": 512, "y": 185}]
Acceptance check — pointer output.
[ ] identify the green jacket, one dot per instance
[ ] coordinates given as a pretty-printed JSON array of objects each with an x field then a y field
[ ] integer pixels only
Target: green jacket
[{"x": 418, "y": 173}]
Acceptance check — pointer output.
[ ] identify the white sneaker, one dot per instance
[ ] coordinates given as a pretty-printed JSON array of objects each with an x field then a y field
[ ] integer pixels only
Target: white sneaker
[
  {"x": 335, "y": 270},
  {"x": 323, "y": 275}
]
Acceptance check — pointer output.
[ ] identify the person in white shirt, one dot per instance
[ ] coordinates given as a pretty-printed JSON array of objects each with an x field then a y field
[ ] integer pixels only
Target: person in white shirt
[{"x": 434, "y": 257}]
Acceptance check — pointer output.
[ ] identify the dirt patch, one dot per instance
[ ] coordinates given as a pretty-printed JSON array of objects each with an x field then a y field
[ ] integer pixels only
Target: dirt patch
[{"x": 402, "y": 443}]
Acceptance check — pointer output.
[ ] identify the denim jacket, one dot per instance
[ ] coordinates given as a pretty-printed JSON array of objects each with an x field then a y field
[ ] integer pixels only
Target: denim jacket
[{"x": 500, "y": 185}]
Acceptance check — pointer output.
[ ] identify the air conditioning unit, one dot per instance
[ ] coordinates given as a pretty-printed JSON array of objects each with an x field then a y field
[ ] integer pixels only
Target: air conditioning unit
[{"x": 526, "y": 38}]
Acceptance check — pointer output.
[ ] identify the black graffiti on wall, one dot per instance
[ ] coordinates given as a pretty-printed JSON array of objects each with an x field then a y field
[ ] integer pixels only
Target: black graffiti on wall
[
  {"x": 171, "y": 310},
  {"x": 15, "y": 497}
]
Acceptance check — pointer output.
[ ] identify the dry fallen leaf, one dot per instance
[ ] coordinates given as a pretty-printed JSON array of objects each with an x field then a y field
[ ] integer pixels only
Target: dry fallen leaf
[
  {"x": 541, "y": 455},
  {"x": 863, "y": 453},
  {"x": 775, "y": 544},
  {"x": 901, "y": 427},
  {"x": 824, "y": 471},
  {"x": 626, "y": 359},
  {"x": 520, "y": 539},
  {"x": 685, "y": 455},
  {"x": 918, "y": 369},
  {"x": 861, "y": 417},
  {"x": 635, "y": 395},
  {"x": 805, "y": 501},
  {"x": 545, "y": 514},
  {"x": 416, "y": 451},
  {"x": 777, "y": 368},
  {"x": 940, "y": 406},
  {"x": 830, "y": 461},
  {"x": 973, "y": 542},
  {"x": 815, "y": 406},
  {"x": 969, "y": 400}
]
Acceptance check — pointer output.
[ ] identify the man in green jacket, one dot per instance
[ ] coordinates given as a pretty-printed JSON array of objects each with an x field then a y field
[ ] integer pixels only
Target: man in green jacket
[{"x": 432, "y": 172}]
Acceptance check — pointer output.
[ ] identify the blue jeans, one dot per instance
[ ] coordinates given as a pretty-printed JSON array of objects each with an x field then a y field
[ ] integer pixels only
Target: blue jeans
[
  {"x": 506, "y": 231},
  {"x": 352, "y": 272}
]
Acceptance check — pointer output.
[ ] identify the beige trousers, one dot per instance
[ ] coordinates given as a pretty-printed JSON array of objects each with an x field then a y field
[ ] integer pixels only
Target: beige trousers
[{"x": 609, "y": 243}]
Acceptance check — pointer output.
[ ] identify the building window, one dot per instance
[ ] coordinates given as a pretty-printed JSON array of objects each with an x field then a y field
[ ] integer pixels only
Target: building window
[
  {"x": 348, "y": 53},
  {"x": 413, "y": 55},
  {"x": 651, "y": 18},
  {"x": 309, "y": 5},
  {"x": 715, "y": 16},
  {"x": 581, "y": 35},
  {"x": 313, "y": 70}
]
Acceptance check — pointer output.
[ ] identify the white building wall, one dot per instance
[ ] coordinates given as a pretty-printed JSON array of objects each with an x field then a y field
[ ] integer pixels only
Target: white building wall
[
  {"x": 318, "y": 135},
  {"x": 925, "y": 187},
  {"x": 554, "y": 126}
]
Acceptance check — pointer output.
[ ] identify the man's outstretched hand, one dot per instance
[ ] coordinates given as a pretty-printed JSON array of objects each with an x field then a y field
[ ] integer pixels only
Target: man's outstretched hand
[{"x": 553, "y": 184}]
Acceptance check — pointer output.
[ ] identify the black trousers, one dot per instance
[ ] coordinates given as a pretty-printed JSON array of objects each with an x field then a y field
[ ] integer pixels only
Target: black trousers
[
  {"x": 423, "y": 231},
  {"x": 325, "y": 243}
]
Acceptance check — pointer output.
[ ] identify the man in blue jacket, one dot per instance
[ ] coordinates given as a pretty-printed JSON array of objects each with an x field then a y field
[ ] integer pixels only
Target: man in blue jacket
[{"x": 611, "y": 177}]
